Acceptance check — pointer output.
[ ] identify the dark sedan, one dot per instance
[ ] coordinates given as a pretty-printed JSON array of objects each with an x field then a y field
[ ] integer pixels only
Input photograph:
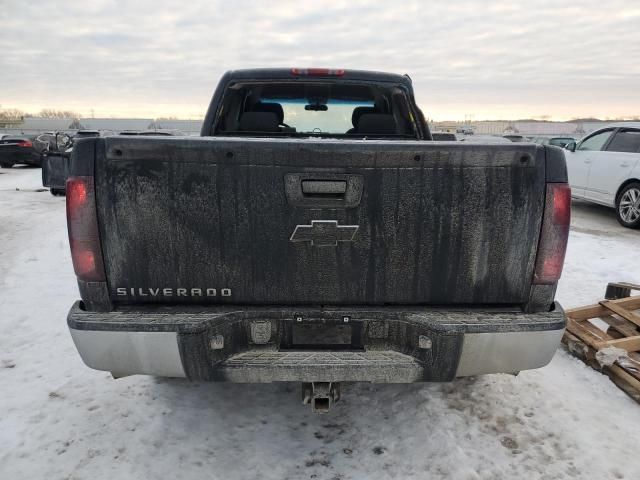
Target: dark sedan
[{"x": 25, "y": 149}]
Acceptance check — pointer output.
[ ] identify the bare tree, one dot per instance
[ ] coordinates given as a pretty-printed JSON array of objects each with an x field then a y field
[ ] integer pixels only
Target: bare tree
[
  {"x": 52, "y": 113},
  {"x": 76, "y": 125},
  {"x": 12, "y": 114}
]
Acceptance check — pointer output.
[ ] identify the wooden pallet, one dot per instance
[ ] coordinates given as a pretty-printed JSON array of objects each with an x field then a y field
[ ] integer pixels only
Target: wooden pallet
[{"x": 613, "y": 322}]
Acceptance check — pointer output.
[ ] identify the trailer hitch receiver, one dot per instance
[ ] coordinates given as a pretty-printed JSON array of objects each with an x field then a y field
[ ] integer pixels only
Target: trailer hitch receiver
[{"x": 321, "y": 395}]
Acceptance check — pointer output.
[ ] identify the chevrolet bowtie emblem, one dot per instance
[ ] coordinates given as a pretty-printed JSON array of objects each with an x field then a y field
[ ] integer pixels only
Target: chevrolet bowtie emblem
[{"x": 324, "y": 233}]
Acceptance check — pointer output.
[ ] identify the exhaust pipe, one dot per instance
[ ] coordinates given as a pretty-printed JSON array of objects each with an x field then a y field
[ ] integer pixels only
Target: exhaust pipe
[{"x": 321, "y": 395}]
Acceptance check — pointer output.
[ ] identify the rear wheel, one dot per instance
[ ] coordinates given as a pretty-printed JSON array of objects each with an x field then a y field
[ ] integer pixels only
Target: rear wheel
[
  {"x": 628, "y": 206},
  {"x": 57, "y": 192},
  {"x": 6, "y": 165}
]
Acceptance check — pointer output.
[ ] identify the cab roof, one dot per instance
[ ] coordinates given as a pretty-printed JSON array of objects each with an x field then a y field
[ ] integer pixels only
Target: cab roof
[{"x": 316, "y": 73}]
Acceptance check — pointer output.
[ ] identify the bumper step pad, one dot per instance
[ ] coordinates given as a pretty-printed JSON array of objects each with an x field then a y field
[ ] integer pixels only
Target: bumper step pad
[{"x": 315, "y": 366}]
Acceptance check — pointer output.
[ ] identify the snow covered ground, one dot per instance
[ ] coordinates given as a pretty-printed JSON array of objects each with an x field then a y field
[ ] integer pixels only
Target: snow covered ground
[{"x": 61, "y": 420}]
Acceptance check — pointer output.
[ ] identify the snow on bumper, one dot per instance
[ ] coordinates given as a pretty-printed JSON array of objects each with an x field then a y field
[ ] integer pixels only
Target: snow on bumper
[{"x": 385, "y": 345}]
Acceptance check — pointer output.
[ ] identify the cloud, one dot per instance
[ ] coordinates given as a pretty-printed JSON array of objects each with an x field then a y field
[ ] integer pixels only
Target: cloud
[{"x": 489, "y": 59}]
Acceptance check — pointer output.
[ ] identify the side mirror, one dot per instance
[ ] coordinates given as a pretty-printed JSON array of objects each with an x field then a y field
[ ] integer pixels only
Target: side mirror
[{"x": 571, "y": 146}]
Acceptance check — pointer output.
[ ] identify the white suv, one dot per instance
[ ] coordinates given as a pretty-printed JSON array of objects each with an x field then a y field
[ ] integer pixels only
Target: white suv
[{"x": 604, "y": 167}]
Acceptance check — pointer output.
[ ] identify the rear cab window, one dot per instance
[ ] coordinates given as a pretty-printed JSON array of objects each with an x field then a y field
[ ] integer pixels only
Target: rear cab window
[
  {"x": 311, "y": 118},
  {"x": 316, "y": 108}
]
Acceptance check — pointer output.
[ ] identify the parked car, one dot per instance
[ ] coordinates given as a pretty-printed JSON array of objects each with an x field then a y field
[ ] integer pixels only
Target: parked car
[
  {"x": 604, "y": 168},
  {"x": 485, "y": 139},
  {"x": 515, "y": 138},
  {"x": 444, "y": 137},
  {"x": 555, "y": 141},
  {"x": 85, "y": 134},
  {"x": 147, "y": 133},
  {"x": 21, "y": 149},
  {"x": 315, "y": 234}
]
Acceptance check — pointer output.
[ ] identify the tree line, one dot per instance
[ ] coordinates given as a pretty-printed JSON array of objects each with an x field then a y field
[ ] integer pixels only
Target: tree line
[{"x": 15, "y": 114}]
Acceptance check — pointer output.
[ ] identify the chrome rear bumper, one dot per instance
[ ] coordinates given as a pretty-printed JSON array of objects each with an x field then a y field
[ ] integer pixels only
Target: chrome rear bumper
[{"x": 389, "y": 345}]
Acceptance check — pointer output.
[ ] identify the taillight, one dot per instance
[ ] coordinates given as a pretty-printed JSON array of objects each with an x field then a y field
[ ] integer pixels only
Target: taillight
[
  {"x": 25, "y": 143},
  {"x": 555, "y": 232},
  {"x": 82, "y": 223},
  {"x": 317, "y": 72}
]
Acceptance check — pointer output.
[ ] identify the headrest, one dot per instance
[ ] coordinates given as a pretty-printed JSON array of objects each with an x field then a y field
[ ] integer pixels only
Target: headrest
[
  {"x": 270, "y": 107},
  {"x": 358, "y": 112},
  {"x": 259, "y": 122},
  {"x": 376, "y": 124}
]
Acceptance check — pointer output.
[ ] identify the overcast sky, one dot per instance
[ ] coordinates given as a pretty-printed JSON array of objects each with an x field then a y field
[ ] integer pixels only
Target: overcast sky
[{"x": 489, "y": 59}]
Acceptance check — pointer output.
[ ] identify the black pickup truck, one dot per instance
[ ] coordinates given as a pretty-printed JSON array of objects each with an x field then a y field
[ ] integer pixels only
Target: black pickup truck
[{"x": 315, "y": 233}]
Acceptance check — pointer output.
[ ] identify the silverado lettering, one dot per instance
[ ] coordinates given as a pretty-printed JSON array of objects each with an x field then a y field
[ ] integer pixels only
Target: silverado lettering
[{"x": 169, "y": 292}]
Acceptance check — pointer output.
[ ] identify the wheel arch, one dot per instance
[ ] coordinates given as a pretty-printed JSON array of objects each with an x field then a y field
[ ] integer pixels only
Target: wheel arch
[{"x": 621, "y": 187}]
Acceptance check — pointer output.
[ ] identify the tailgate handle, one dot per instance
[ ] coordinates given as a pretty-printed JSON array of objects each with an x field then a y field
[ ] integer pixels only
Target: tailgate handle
[{"x": 324, "y": 188}]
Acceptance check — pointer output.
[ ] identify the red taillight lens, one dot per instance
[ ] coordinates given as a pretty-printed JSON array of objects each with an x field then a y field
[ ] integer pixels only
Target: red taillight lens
[
  {"x": 317, "y": 72},
  {"x": 555, "y": 232},
  {"x": 82, "y": 223},
  {"x": 25, "y": 143}
]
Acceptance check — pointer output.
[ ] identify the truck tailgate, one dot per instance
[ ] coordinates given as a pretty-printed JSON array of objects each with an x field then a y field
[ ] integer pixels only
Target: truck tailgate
[{"x": 282, "y": 221}]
